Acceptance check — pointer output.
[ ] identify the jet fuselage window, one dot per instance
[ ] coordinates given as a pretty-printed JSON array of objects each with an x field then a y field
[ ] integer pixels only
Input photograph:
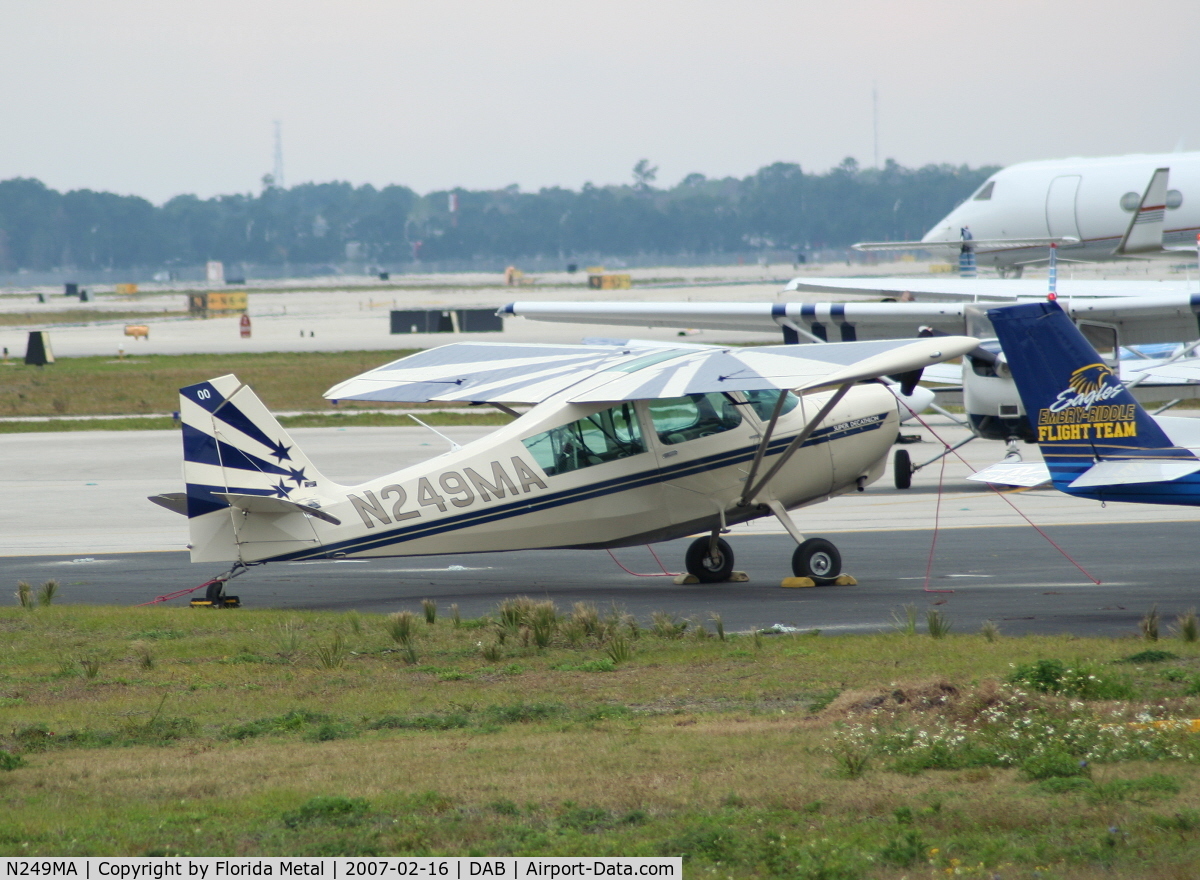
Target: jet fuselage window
[
  {"x": 986, "y": 193},
  {"x": 679, "y": 419},
  {"x": 763, "y": 402},
  {"x": 602, "y": 437}
]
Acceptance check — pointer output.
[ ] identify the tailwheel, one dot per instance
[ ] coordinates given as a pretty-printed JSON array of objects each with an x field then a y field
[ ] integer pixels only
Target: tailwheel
[
  {"x": 214, "y": 597},
  {"x": 818, "y": 559},
  {"x": 709, "y": 562}
]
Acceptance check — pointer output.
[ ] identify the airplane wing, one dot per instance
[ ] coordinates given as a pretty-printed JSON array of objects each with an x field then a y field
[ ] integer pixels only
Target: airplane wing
[
  {"x": 516, "y": 373},
  {"x": 995, "y": 290},
  {"x": 1161, "y": 312},
  {"x": 977, "y": 244},
  {"x": 800, "y": 368},
  {"x": 483, "y": 372}
]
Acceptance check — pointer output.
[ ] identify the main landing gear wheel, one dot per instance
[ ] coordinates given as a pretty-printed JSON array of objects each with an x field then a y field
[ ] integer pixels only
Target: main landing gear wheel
[
  {"x": 902, "y": 469},
  {"x": 818, "y": 559},
  {"x": 706, "y": 567}
]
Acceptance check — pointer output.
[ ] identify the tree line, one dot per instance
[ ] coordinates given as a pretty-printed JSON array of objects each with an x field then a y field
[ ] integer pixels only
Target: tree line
[{"x": 778, "y": 208}]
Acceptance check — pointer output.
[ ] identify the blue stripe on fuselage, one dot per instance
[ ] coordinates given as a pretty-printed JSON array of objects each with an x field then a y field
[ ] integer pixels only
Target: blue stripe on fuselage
[{"x": 528, "y": 504}]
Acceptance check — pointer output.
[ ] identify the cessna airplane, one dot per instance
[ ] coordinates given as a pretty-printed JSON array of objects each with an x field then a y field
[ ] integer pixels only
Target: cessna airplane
[
  {"x": 1096, "y": 440},
  {"x": 622, "y": 446},
  {"x": 1095, "y": 209}
]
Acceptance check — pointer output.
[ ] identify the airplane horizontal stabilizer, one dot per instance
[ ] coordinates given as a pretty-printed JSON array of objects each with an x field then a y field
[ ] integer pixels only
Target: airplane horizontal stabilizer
[
  {"x": 1122, "y": 473},
  {"x": 1013, "y": 473},
  {"x": 176, "y": 502},
  {"x": 265, "y": 504}
]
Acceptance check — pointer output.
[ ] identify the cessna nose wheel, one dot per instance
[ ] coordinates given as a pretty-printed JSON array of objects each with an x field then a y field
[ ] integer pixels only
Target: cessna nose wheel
[
  {"x": 818, "y": 559},
  {"x": 710, "y": 563}
]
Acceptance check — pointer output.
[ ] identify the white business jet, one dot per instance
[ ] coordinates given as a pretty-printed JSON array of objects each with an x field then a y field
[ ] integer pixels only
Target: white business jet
[
  {"x": 1095, "y": 209},
  {"x": 622, "y": 446}
]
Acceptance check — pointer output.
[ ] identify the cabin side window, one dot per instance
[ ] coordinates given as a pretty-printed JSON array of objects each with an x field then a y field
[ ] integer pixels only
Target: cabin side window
[
  {"x": 604, "y": 436},
  {"x": 763, "y": 402},
  {"x": 679, "y": 419}
]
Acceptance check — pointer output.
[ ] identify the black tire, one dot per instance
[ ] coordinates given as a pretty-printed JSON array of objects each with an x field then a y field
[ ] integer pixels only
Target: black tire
[
  {"x": 215, "y": 592},
  {"x": 902, "y": 469},
  {"x": 709, "y": 569},
  {"x": 818, "y": 559}
]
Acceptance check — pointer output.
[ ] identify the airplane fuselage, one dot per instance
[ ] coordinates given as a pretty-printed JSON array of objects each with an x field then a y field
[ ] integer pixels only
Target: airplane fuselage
[
  {"x": 509, "y": 491},
  {"x": 1090, "y": 199}
]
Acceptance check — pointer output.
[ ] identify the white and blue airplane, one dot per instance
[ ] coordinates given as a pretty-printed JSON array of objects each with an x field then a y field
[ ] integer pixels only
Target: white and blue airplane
[{"x": 622, "y": 446}]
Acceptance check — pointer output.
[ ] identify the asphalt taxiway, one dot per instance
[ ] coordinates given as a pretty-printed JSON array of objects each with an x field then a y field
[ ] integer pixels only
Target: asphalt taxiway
[{"x": 1011, "y": 576}]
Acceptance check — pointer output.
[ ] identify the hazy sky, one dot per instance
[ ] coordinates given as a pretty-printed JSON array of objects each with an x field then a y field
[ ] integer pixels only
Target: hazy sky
[{"x": 161, "y": 97}]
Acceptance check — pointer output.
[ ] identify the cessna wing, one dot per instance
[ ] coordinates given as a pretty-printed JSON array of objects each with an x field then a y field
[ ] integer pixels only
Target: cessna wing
[
  {"x": 518, "y": 373},
  {"x": 990, "y": 290},
  {"x": 1157, "y": 315}
]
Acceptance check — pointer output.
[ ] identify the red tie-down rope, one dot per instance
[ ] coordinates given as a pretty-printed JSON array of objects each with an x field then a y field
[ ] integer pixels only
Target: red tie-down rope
[
  {"x": 169, "y": 596},
  {"x": 1002, "y": 495},
  {"x": 226, "y": 576},
  {"x": 663, "y": 574},
  {"x": 937, "y": 520}
]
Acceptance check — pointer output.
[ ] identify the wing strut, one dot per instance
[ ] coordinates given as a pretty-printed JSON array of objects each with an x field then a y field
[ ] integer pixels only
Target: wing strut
[{"x": 752, "y": 488}]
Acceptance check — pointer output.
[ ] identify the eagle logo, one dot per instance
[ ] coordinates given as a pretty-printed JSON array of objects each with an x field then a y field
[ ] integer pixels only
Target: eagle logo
[{"x": 1090, "y": 379}]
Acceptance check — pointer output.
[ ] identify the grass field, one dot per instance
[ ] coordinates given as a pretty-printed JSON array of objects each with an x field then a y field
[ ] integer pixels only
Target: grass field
[
  {"x": 86, "y": 386},
  {"x": 582, "y": 732}
]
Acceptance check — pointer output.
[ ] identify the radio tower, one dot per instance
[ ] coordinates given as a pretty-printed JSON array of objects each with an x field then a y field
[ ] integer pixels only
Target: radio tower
[{"x": 278, "y": 172}]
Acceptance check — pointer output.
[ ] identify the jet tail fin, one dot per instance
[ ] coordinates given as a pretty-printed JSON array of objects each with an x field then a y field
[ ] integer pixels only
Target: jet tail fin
[
  {"x": 1145, "y": 232},
  {"x": 235, "y": 451},
  {"x": 1082, "y": 413}
]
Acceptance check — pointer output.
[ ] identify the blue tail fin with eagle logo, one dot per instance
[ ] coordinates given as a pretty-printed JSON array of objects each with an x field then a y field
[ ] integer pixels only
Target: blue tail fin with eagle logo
[{"x": 1096, "y": 439}]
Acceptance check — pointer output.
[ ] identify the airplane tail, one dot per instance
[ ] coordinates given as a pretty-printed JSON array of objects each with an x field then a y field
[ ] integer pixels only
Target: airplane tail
[
  {"x": 1096, "y": 440},
  {"x": 251, "y": 492}
]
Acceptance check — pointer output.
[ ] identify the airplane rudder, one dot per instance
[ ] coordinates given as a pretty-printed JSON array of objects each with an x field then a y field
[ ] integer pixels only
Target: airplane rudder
[
  {"x": 232, "y": 442},
  {"x": 1074, "y": 401},
  {"x": 1042, "y": 348}
]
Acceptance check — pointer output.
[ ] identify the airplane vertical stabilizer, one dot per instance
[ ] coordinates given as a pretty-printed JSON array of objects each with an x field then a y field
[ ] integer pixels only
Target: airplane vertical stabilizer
[
  {"x": 1145, "y": 232},
  {"x": 1084, "y": 417},
  {"x": 251, "y": 491}
]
